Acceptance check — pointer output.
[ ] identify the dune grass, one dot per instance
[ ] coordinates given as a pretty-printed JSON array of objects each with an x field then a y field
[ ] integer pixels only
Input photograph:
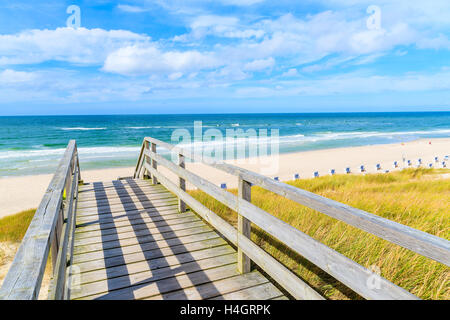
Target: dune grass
[
  {"x": 13, "y": 228},
  {"x": 419, "y": 198}
]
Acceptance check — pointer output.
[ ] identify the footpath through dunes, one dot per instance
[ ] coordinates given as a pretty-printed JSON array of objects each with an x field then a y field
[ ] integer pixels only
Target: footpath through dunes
[{"x": 131, "y": 242}]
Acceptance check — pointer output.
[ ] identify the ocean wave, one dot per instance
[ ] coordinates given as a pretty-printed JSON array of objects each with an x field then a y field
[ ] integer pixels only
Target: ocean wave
[
  {"x": 57, "y": 153},
  {"x": 81, "y": 129}
]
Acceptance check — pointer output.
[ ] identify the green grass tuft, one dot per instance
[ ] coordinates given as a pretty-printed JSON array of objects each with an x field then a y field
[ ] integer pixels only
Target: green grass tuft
[{"x": 14, "y": 227}]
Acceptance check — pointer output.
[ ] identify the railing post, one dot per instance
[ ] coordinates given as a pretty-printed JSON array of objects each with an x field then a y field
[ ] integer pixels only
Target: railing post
[
  {"x": 244, "y": 226},
  {"x": 154, "y": 164},
  {"x": 181, "y": 184},
  {"x": 145, "y": 174}
]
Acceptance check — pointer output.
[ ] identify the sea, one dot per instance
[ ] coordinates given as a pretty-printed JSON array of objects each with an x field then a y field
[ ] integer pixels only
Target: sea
[{"x": 34, "y": 144}]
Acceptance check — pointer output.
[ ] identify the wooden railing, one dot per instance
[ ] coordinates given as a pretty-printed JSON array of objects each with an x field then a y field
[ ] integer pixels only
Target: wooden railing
[
  {"x": 347, "y": 271},
  {"x": 52, "y": 228}
]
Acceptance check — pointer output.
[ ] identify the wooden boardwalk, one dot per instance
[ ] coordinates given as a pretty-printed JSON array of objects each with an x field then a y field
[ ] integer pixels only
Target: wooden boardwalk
[{"x": 131, "y": 242}]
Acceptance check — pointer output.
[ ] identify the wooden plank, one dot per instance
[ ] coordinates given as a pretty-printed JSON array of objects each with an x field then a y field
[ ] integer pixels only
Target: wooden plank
[
  {"x": 102, "y": 198},
  {"x": 113, "y": 184},
  {"x": 146, "y": 255},
  {"x": 136, "y": 226},
  {"x": 24, "y": 277},
  {"x": 173, "y": 262},
  {"x": 428, "y": 245},
  {"x": 117, "y": 189},
  {"x": 177, "y": 282},
  {"x": 339, "y": 266},
  {"x": 155, "y": 236},
  {"x": 131, "y": 214},
  {"x": 147, "y": 276},
  {"x": 127, "y": 207},
  {"x": 264, "y": 291},
  {"x": 136, "y": 219},
  {"x": 216, "y": 288},
  {"x": 108, "y": 253},
  {"x": 139, "y": 233}
]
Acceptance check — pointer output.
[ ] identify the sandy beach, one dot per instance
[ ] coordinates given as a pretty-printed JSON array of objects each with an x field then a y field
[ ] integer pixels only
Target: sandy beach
[{"x": 25, "y": 192}]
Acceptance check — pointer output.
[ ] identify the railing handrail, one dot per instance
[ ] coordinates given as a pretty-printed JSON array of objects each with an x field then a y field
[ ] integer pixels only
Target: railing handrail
[
  {"x": 50, "y": 228},
  {"x": 339, "y": 266}
]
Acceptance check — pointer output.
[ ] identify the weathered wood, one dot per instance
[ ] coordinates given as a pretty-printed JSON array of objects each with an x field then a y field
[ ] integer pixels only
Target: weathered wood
[
  {"x": 181, "y": 183},
  {"x": 24, "y": 277},
  {"x": 118, "y": 214},
  {"x": 138, "y": 233},
  {"x": 175, "y": 262},
  {"x": 147, "y": 276},
  {"x": 59, "y": 277},
  {"x": 123, "y": 199},
  {"x": 134, "y": 227},
  {"x": 342, "y": 268},
  {"x": 244, "y": 226},
  {"x": 147, "y": 290},
  {"x": 137, "y": 172},
  {"x": 423, "y": 243},
  {"x": 141, "y": 246},
  {"x": 261, "y": 292},
  {"x": 155, "y": 236},
  {"x": 217, "y": 288},
  {"x": 154, "y": 163},
  {"x": 138, "y": 219}
]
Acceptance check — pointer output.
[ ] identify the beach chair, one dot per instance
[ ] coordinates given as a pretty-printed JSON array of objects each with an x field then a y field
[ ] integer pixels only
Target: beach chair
[
  {"x": 223, "y": 186},
  {"x": 409, "y": 163},
  {"x": 430, "y": 165},
  {"x": 395, "y": 164},
  {"x": 276, "y": 179},
  {"x": 316, "y": 174},
  {"x": 362, "y": 168},
  {"x": 386, "y": 171},
  {"x": 347, "y": 170},
  {"x": 446, "y": 158},
  {"x": 444, "y": 165},
  {"x": 296, "y": 176},
  {"x": 332, "y": 172},
  {"x": 436, "y": 159},
  {"x": 378, "y": 166},
  {"x": 419, "y": 162}
]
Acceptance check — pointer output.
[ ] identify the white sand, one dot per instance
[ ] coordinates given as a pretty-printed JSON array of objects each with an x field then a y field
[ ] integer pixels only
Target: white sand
[{"x": 21, "y": 193}]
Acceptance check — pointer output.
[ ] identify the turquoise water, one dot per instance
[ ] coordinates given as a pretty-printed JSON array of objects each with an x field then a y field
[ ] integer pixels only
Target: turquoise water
[{"x": 33, "y": 145}]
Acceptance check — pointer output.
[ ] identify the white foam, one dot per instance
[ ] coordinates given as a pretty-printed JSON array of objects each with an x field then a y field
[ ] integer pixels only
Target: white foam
[{"x": 82, "y": 129}]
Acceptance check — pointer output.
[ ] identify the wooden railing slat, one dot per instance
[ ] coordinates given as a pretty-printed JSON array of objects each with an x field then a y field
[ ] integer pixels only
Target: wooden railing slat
[{"x": 24, "y": 277}]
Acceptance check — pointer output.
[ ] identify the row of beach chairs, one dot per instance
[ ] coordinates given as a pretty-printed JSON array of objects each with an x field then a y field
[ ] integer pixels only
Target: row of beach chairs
[{"x": 362, "y": 168}]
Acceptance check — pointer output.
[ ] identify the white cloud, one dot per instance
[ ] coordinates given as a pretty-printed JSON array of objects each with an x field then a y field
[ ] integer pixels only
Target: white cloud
[
  {"x": 84, "y": 46},
  {"x": 219, "y": 26},
  {"x": 131, "y": 9},
  {"x": 290, "y": 73},
  {"x": 259, "y": 65},
  {"x": 138, "y": 60},
  {"x": 241, "y": 2},
  {"x": 351, "y": 83},
  {"x": 9, "y": 76}
]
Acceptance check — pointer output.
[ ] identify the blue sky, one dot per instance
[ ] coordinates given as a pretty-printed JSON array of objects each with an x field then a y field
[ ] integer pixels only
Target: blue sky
[{"x": 220, "y": 56}]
